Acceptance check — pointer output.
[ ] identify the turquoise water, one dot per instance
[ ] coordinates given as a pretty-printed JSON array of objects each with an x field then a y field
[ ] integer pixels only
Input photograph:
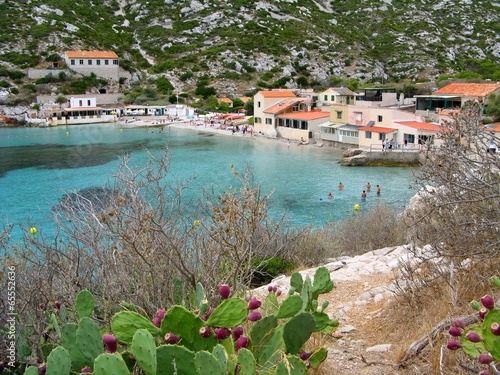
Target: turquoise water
[{"x": 38, "y": 166}]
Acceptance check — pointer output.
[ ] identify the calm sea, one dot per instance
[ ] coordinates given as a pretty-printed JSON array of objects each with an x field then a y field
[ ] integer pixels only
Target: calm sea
[{"x": 38, "y": 166}]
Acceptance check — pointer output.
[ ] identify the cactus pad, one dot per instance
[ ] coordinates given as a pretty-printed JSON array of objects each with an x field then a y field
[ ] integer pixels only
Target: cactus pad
[
  {"x": 174, "y": 359},
  {"x": 89, "y": 339},
  {"x": 207, "y": 364},
  {"x": 318, "y": 356},
  {"x": 59, "y": 362},
  {"x": 229, "y": 313},
  {"x": 68, "y": 341},
  {"x": 296, "y": 281},
  {"x": 247, "y": 362},
  {"x": 125, "y": 323},
  {"x": 144, "y": 351},
  {"x": 84, "y": 304},
  {"x": 297, "y": 331},
  {"x": 289, "y": 307},
  {"x": 110, "y": 364}
]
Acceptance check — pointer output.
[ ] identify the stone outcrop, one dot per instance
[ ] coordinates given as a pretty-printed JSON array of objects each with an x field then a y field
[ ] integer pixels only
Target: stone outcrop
[{"x": 359, "y": 157}]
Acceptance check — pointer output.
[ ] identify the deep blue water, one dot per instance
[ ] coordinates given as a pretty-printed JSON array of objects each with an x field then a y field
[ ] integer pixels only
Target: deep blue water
[{"x": 38, "y": 166}]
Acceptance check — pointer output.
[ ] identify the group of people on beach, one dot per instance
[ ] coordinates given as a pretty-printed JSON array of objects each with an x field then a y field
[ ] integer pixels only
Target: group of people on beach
[{"x": 363, "y": 194}]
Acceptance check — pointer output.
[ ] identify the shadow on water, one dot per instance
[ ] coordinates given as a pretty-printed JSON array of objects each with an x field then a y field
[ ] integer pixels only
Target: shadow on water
[{"x": 65, "y": 156}]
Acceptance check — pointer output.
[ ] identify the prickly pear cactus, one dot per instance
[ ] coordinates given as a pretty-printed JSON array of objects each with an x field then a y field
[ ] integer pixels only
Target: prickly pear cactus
[
  {"x": 89, "y": 339},
  {"x": 68, "y": 341},
  {"x": 291, "y": 365},
  {"x": 318, "y": 356},
  {"x": 144, "y": 350},
  {"x": 230, "y": 313},
  {"x": 84, "y": 304},
  {"x": 297, "y": 331},
  {"x": 207, "y": 364},
  {"x": 247, "y": 362},
  {"x": 289, "y": 307},
  {"x": 322, "y": 282},
  {"x": 59, "y": 362},
  {"x": 125, "y": 323},
  {"x": 186, "y": 325},
  {"x": 296, "y": 282},
  {"x": 491, "y": 341},
  {"x": 174, "y": 359},
  {"x": 32, "y": 370},
  {"x": 261, "y": 332},
  {"x": 110, "y": 364},
  {"x": 220, "y": 353}
]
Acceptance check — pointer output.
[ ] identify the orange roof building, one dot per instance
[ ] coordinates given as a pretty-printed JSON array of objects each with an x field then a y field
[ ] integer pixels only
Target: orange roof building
[
  {"x": 471, "y": 90},
  {"x": 104, "y": 64}
]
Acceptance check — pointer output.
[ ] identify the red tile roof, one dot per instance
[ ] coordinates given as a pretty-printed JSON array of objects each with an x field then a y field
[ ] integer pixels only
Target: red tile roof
[
  {"x": 421, "y": 125},
  {"x": 283, "y": 105},
  {"x": 245, "y": 99},
  {"x": 312, "y": 115},
  {"x": 377, "y": 129},
  {"x": 495, "y": 127},
  {"x": 91, "y": 54},
  {"x": 278, "y": 94},
  {"x": 468, "y": 89},
  {"x": 224, "y": 100}
]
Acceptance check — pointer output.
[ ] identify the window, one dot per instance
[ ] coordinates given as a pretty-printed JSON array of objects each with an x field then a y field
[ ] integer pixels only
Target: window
[
  {"x": 80, "y": 103},
  {"x": 72, "y": 62},
  {"x": 115, "y": 62},
  {"x": 98, "y": 62},
  {"x": 409, "y": 137},
  {"x": 325, "y": 98},
  {"x": 81, "y": 62},
  {"x": 88, "y": 102},
  {"x": 368, "y": 135},
  {"x": 269, "y": 121},
  {"x": 106, "y": 62},
  {"x": 381, "y": 136},
  {"x": 257, "y": 120},
  {"x": 379, "y": 118},
  {"x": 90, "y": 62},
  {"x": 332, "y": 98},
  {"x": 258, "y": 104},
  {"x": 359, "y": 116},
  {"x": 339, "y": 114}
]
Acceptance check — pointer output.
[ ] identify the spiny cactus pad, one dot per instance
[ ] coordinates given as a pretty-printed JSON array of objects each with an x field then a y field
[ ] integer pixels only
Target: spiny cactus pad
[
  {"x": 289, "y": 307},
  {"x": 59, "y": 362},
  {"x": 207, "y": 364},
  {"x": 186, "y": 325},
  {"x": 297, "y": 331},
  {"x": 89, "y": 338},
  {"x": 230, "y": 313},
  {"x": 84, "y": 304},
  {"x": 318, "y": 356},
  {"x": 125, "y": 323},
  {"x": 247, "y": 362},
  {"x": 68, "y": 341},
  {"x": 144, "y": 351},
  {"x": 110, "y": 364},
  {"x": 174, "y": 359}
]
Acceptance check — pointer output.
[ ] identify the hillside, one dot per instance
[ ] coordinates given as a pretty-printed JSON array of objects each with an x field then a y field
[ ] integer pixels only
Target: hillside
[{"x": 243, "y": 44}]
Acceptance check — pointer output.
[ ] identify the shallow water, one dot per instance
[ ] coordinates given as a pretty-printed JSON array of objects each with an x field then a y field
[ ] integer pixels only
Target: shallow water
[{"x": 38, "y": 166}]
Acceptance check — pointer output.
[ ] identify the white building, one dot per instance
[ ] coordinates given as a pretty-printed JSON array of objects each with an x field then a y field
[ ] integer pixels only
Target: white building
[{"x": 103, "y": 64}]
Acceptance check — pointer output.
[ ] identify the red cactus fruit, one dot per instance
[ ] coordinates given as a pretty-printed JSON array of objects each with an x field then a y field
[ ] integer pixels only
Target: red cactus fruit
[
  {"x": 270, "y": 288},
  {"x": 171, "y": 338},
  {"x": 304, "y": 355},
  {"x": 224, "y": 291},
  {"x": 110, "y": 341},
  {"x": 132, "y": 358},
  {"x": 242, "y": 342},
  {"x": 86, "y": 370},
  {"x": 42, "y": 306},
  {"x": 488, "y": 302},
  {"x": 495, "y": 329},
  {"x": 485, "y": 359},
  {"x": 207, "y": 314},
  {"x": 161, "y": 313},
  {"x": 157, "y": 321},
  {"x": 278, "y": 292},
  {"x": 222, "y": 333},
  {"x": 254, "y": 304},
  {"x": 453, "y": 345},
  {"x": 459, "y": 323},
  {"x": 205, "y": 332},
  {"x": 482, "y": 313},
  {"x": 42, "y": 369},
  {"x": 473, "y": 337},
  {"x": 254, "y": 316},
  {"x": 275, "y": 289},
  {"x": 237, "y": 332},
  {"x": 485, "y": 372},
  {"x": 56, "y": 305},
  {"x": 454, "y": 331}
]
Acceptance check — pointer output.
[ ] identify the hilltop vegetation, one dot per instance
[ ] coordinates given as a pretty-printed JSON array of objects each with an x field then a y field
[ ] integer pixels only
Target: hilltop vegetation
[{"x": 239, "y": 45}]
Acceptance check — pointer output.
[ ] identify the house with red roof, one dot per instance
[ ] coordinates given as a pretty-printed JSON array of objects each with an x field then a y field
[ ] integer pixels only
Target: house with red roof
[
  {"x": 105, "y": 64},
  {"x": 265, "y": 115},
  {"x": 453, "y": 96}
]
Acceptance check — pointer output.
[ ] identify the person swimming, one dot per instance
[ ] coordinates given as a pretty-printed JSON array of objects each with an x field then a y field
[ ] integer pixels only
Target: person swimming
[
  {"x": 330, "y": 195},
  {"x": 368, "y": 186},
  {"x": 363, "y": 196},
  {"x": 378, "y": 190},
  {"x": 341, "y": 186}
]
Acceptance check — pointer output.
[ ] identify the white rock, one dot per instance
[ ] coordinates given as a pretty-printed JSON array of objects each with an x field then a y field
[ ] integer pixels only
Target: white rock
[
  {"x": 346, "y": 329},
  {"x": 379, "y": 348}
]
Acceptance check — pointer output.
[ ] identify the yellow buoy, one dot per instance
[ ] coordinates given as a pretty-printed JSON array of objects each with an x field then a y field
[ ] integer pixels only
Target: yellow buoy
[
  {"x": 121, "y": 129},
  {"x": 197, "y": 223},
  {"x": 356, "y": 207},
  {"x": 67, "y": 133},
  {"x": 33, "y": 230}
]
